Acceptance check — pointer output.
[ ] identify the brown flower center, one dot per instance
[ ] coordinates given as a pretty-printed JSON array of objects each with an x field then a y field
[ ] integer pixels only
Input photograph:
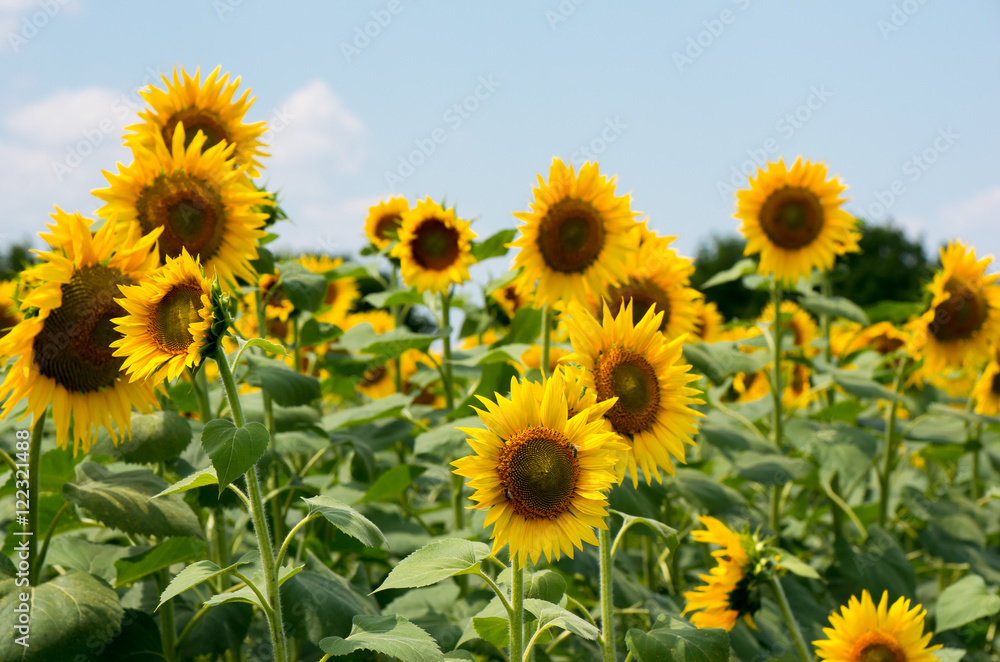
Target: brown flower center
[
  {"x": 884, "y": 344},
  {"x": 629, "y": 376},
  {"x": 74, "y": 346},
  {"x": 645, "y": 294},
  {"x": 995, "y": 385},
  {"x": 435, "y": 245},
  {"x": 792, "y": 217},
  {"x": 373, "y": 376},
  {"x": 195, "y": 120},
  {"x": 538, "y": 472},
  {"x": 961, "y": 315},
  {"x": 571, "y": 236},
  {"x": 332, "y": 291},
  {"x": 8, "y": 319},
  {"x": 176, "y": 311},
  {"x": 189, "y": 209},
  {"x": 881, "y": 652},
  {"x": 387, "y": 226}
]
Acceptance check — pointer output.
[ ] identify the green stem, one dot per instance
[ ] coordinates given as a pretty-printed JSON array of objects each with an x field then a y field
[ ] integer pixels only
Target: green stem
[
  {"x": 546, "y": 338},
  {"x": 291, "y": 536},
  {"x": 890, "y": 449},
  {"x": 40, "y": 561},
  {"x": 793, "y": 627},
  {"x": 776, "y": 510},
  {"x": 449, "y": 394},
  {"x": 824, "y": 320},
  {"x": 456, "y": 500},
  {"x": 975, "y": 474},
  {"x": 397, "y": 318},
  {"x": 257, "y": 516},
  {"x": 34, "y": 473},
  {"x": 296, "y": 350},
  {"x": 517, "y": 610},
  {"x": 607, "y": 640},
  {"x": 777, "y": 389},
  {"x": 835, "y": 509},
  {"x": 168, "y": 631}
]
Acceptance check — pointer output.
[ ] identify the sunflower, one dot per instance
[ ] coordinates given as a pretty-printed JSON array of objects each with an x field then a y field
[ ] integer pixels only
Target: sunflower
[
  {"x": 707, "y": 321},
  {"x": 657, "y": 278},
  {"x": 512, "y": 297},
  {"x": 797, "y": 391},
  {"x": 796, "y": 321},
  {"x": 532, "y": 357},
  {"x": 10, "y": 315},
  {"x": 987, "y": 390},
  {"x": 863, "y": 632},
  {"x": 203, "y": 203},
  {"x": 750, "y": 386},
  {"x": 637, "y": 365},
  {"x": 964, "y": 315},
  {"x": 382, "y": 224},
  {"x": 792, "y": 217},
  {"x": 64, "y": 351},
  {"x": 843, "y": 334},
  {"x": 575, "y": 240},
  {"x": 380, "y": 320},
  {"x": 171, "y": 324},
  {"x": 208, "y": 108},
  {"x": 541, "y": 475},
  {"x": 435, "y": 247},
  {"x": 730, "y": 589},
  {"x": 883, "y": 338},
  {"x": 341, "y": 293}
]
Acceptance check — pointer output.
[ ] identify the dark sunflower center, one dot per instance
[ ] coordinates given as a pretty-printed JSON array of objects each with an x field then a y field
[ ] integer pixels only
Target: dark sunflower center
[
  {"x": 189, "y": 209},
  {"x": 571, "y": 236},
  {"x": 7, "y": 320},
  {"x": 645, "y": 294},
  {"x": 699, "y": 327},
  {"x": 374, "y": 376},
  {"x": 881, "y": 653},
  {"x": 387, "y": 226},
  {"x": 995, "y": 385},
  {"x": 177, "y": 310},
  {"x": 195, "y": 120},
  {"x": 538, "y": 472},
  {"x": 73, "y": 347},
  {"x": 885, "y": 345},
  {"x": 272, "y": 293},
  {"x": 792, "y": 217},
  {"x": 332, "y": 290},
  {"x": 510, "y": 294},
  {"x": 435, "y": 245},
  {"x": 744, "y": 598},
  {"x": 630, "y": 377},
  {"x": 961, "y": 315}
]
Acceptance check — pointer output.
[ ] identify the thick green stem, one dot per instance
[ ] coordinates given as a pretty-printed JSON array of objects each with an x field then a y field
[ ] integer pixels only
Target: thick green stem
[
  {"x": 456, "y": 500},
  {"x": 40, "y": 561},
  {"x": 397, "y": 318},
  {"x": 777, "y": 389},
  {"x": 517, "y": 610},
  {"x": 546, "y": 339},
  {"x": 34, "y": 473},
  {"x": 449, "y": 391},
  {"x": 975, "y": 474},
  {"x": 824, "y": 320},
  {"x": 168, "y": 631},
  {"x": 793, "y": 627},
  {"x": 890, "y": 445},
  {"x": 258, "y": 518},
  {"x": 607, "y": 640}
]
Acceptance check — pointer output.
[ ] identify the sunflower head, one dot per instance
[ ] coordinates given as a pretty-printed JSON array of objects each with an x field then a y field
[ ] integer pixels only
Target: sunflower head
[
  {"x": 383, "y": 222},
  {"x": 435, "y": 247},
  {"x": 341, "y": 293},
  {"x": 209, "y": 108},
  {"x": 10, "y": 313},
  {"x": 512, "y": 297},
  {"x": 541, "y": 474},
  {"x": 707, "y": 321},
  {"x": 864, "y": 632},
  {"x": 882, "y": 337},
  {"x": 987, "y": 390},
  {"x": 576, "y": 237},
  {"x": 792, "y": 217},
  {"x": 796, "y": 321}
]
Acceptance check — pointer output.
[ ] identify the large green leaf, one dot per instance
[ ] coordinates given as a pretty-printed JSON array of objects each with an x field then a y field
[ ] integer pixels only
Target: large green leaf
[
  {"x": 373, "y": 411},
  {"x": 493, "y": 246},
  {"x": 879, "y": 564},
  {"x": 246, "y": 594},
  {"x": 722, "y": 359},
  {"x": 122, "y": 501},
  {"x": 305, "y": 289},
  {"x": 679, "y": 645},
  {"x": 286, "y": 386},
  {"x": 156, "y": 437},
  {"x": 770, "y": 468},
  {"x": 389, "y": 486},
  {"x": 390, "y": 635},
  {"x": 965, "y": 601},
  {"x": 195, "y": 574},
  {"x": 69, "y": 614},
  {"x": 834, "y": 307},
  {"x": 93, "y": 558},
  {"x": 552, "y": 615},
  {"x": 446, "y": 440},
  {"x": 436, "y": 561},
  {"x": 314, "y": 332},
  {"x": 347, "y": 520},
  {"x": 139, "y": 640},
  {"x": 318, "y": 603},
  {"x": 191, "y": 482},
  {"x": 233, "y": 450},
  {"x": 164, "y": 555},
  {"x": 221, "y": 628},
  {"x": 735, "y": 272},
  {"x": 401, "y": 296}
]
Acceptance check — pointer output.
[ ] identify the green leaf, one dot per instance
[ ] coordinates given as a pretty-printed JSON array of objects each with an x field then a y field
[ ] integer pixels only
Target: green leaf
[
  {"x": 434, "y": 562},
  {"x": 446, "y": 440},
  {"x": 493, "y": 246},
  {"x": 233, "y": 450},
  {"x": 264, "y": 263},
  {"x": 195, "y": 574},
  {"x": 138, "y": 641},
  {"x": 90, "y": 557},
  {"x": 246, "y": 594},
  {"x": 794, "y": 564},
  {"x": 494, "y": 629},
  {"x": 362, "y": 339},
  {"x": 170, "y": 551},
  {"x": 347, "y": 520},
  {"x": 483, "y": 355},
  {"x": 314, "y": 332},
  {"x": 385, "y": 407},
  {"x": 722, "y": 359},
  {"x": 156, "y": 437},
  {"x": 965, "y": 601},
  {"x": 266, "y": 345},
  {"x": 735, "y": 272},
  {"x": 949, "y": 654},
  {"x": 770, "y": 468},
  {"x": 669, "y": 534},
  {"x": 547, "y": 585},
  {"x": 551, "y": 615},
  {"x": 389, "y": 487},
  {"x": 863, "y": 388},
  {"x": 191, "y": 482},
  {"x": 72, "y": 613},
  {"x": 834, "y": 307},
  {"x": 879, "y": 565},
  {"x": 318, "y": 603},
  {"x": 525, "y": 327},
  {"x": 897, "y": 312},
  {"x": 286, "y": 386},
  {"x": 121, "y": 501},
  {"x": 712, "y": 495},
  {"x": 679, "y": 645},
  {"x": 220, "y": 629},
  {"x": 305, "y": 289},
  {"x": 401, "y": 296},
  {"x": 390, "y": 635},
  {"x": 495, "y": 379}
]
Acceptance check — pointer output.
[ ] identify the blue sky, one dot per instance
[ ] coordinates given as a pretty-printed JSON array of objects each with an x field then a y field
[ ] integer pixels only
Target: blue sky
[{"x": 901, "y": 99}]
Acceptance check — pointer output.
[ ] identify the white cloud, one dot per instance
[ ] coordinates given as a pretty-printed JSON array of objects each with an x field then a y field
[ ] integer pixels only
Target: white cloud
[
  {"x": 64, "y": 116},
  {"x": 334, "y": 227},
  {"x": 980, "y": 211}
]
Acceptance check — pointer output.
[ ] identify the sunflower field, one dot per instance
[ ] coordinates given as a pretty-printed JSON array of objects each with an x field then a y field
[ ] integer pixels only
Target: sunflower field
[{"x": 213, "y": 451}]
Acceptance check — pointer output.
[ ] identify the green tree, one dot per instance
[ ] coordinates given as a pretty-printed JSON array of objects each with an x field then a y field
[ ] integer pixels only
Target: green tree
[{"x": 13, "y": 259}]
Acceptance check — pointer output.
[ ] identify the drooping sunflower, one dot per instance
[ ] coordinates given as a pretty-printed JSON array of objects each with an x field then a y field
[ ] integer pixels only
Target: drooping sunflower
[
  {"x": 730, "y": 589},
  {"x": 750, "y": 386},
  {"x": 208, "y": 108},
  {"x": 863, "y": 632},
  {"x": 201, "y": 200},
  {"x": 964, "y": 315},
  {"x": 382, "y": 224},
  {"x": 542, "y": 475},
  {"x": 987, "y": 390},
  {"x": 636, "y": 364},
  {"x": 171, "y": 324},
  {"x": 10, "y": 314},
  {"x": 435, "y": 247},
  {"x": 64, "y": 351},
  {"x": 341, "y": 293},
  {"x": 796, "y": 321},
  {"x": 882, "y": 337},
  {"x": 380, "y": 381},
  {"x": 792, "y": 217},
  {"x": 656, "y": 278},
  {"x": 575, "y": 240},
  {"x": 707, "y": 321}
]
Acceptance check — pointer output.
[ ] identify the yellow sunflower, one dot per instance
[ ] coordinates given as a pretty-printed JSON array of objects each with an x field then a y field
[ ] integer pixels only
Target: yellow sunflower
[
  {"x": 64, "y": 351},
  {"x": 883, "y": 338},
  {"x": 208, "y": 108},
  {"x": 435, "y": 247},
  {"x": 863, "y": 632},
  {"x": 170, "y": 320},
  {"x": 512, "y": 297},
  {"x": 792, "y": 217},
  {"x": 380, "y": 320},
  {"x": 656, "y": 278},
  {"x": 707, "y": 321},
  {"x": 730, "y": 587},
  {"x": 10, "y": 315},
  {"x": 796, "y": 321},
  {"x": 382, "y": 224},
  {"x": 575, "y": 240},
  {"x": 542, "y": 476},
  {"x": 201, "y": 201},
  {"x": 750, "y": 386},
  {"x": 797, "y": 388},
  {"x": 532, "y": 357},
  {"x": 987, "y": 390},
  {"x": 843, "y": 334},
  {"x": 636, "y": 364},
  {"x": 964, "y": 315},
  {"x": 341, "y": 293}
]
